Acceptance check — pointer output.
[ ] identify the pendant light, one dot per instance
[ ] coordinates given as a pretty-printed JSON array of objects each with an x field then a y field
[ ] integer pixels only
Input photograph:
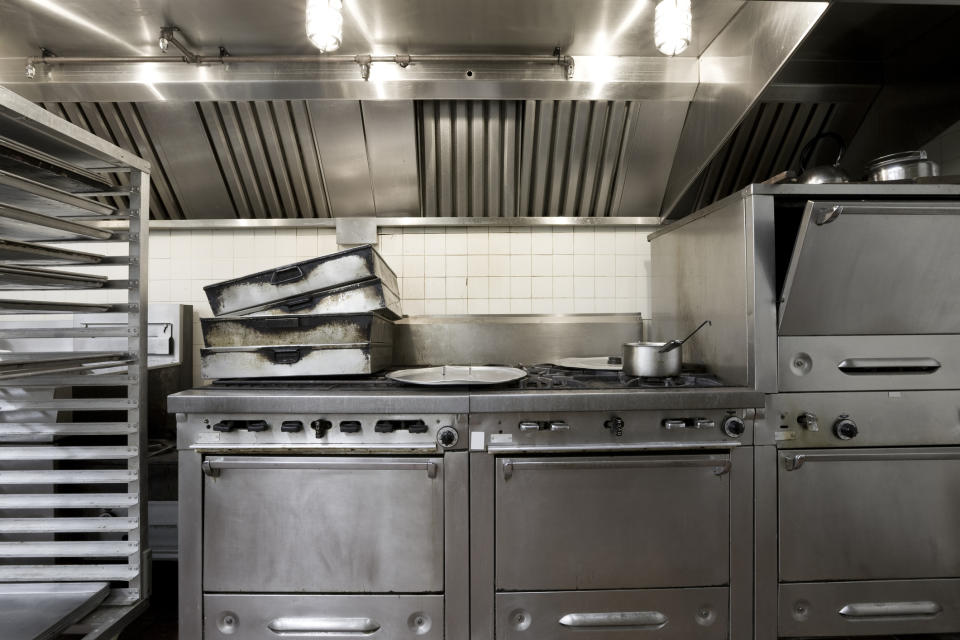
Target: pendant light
[
  {"x": 672, "y": 26},
  {"x": 325, "y": 24}
]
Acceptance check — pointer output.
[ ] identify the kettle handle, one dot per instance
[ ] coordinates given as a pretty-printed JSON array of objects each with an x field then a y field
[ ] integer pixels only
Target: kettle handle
[{"x": 807, "y": 150}]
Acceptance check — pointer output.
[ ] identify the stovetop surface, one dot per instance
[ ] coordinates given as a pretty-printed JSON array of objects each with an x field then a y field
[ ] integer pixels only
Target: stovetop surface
[{"x": 542, "y": 377}]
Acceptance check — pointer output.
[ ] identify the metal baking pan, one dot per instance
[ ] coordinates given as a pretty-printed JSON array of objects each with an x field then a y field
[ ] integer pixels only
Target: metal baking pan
[
  {"x": 40, "y": 167},
  {"x": 14, "y": 252},
  {"x": 368, "y": 295},
  {"x": 316, "y": 274},
  {"x": 20, "y": 224},
  {"x": 30, "y": 307},
  {"x": 250, "y": 331},
  {"x": 21, "y": 365},
  {"x": 294, "y": 360},
  {"x": 19, "y": 278}
]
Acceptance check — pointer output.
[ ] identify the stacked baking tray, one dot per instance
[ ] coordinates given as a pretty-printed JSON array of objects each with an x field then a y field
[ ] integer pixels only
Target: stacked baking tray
[{"x": 327, "y": 316}]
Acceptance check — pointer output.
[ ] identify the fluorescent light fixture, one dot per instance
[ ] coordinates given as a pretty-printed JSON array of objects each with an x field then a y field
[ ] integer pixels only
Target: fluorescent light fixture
[
  {"x": 672, "y": 26},
  {"x": 325, "y": 24}
]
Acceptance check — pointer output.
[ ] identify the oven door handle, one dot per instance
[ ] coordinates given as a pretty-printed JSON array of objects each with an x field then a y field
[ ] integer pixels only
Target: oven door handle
[
  {"x": 795, "y": 461},
  {"x": 213, "y": 465},
  {"x": 721, "y": 465},
  {"x": 641, "y": 620},
  {"x": 323, "y": 627},
  {"x": 884, "y": 610},
  {"x": 888, "y": 366}
]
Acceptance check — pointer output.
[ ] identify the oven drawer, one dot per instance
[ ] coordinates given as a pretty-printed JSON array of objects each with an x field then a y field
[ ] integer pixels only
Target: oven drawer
[
  {"x": 323, "y": 524},
  {"x": 612, "y": 522},
  {"x": 263, "y": 616},
  {"x": 869, "y": 608},
  {"x": 869, "y": 514},
  {"x": 664, "y": 614}
]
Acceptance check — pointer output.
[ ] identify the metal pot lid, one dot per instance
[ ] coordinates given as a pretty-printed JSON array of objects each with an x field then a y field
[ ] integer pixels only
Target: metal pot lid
[
  {"x": 458, "y": 375},
  {"x": 595, "y": 363},
  {"x": 897, "y": 158}
]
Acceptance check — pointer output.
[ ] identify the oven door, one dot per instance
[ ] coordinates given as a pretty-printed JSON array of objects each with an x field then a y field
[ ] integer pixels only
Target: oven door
[
  {"x": 612, "y": 522},
  {"x": 323, "y": 524},
  {"x": 868, "y": 540}
]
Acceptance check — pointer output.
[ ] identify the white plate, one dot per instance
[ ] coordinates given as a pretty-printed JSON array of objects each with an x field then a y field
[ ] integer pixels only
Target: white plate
[
  {"x": 457, "y": 375},
  {"x": 597, "y": 363}
]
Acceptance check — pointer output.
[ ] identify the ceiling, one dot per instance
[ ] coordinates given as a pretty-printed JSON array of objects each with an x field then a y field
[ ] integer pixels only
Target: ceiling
[{"x": 131, "y": 27}]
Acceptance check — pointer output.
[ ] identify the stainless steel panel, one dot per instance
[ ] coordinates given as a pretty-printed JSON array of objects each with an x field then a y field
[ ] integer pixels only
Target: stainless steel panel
[
  {"x": 306, "y": 277},
  {"x": 765, "y": 460},
  {"x": 253, "y": 617},
  {"x": 700, "y": 273},
  {"x": 509, "y": 340},
  {"x": 842, "y": 280},
  {"x": 765, "y": 34},
  {"x": 867, "y": 363},
  {"x": 43, "y": 611},
  {"x": 351, "y": 528},
  {"x": 294, "y": 360},
  {"x": 482, "y": 542},
  {"x": 869, "y": 514},
  {"x": 671, "y": 614},
  {"x": 296, "y": 329},
  {"x": 230, "y": 401},
  {"x": 338, "y": 132},
  {"x": 884, "y": 419},
  {"x": 883, "y": 608},
  {"x": 574, "y": 508},
  {"x": 456, "y": 532},
  {"x": 389, "y": 129}
]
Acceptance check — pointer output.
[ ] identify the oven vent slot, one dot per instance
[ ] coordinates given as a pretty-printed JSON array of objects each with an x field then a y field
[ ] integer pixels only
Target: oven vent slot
[{"x": 888, "y": 366}]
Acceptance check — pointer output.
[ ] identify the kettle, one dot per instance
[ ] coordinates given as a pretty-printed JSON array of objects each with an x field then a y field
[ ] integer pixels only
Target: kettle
[{"x": 824, "y": 173}]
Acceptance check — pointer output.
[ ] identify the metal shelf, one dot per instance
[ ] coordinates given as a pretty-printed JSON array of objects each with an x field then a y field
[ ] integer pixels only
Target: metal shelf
[
  {"x": 15, "y": 252},
  {"x": 64, "y": 459},
  {"x": 20, "y": 224}
]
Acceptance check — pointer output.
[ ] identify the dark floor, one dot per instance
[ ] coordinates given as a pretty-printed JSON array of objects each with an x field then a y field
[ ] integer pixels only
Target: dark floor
[{"x": 159, "y": 621}]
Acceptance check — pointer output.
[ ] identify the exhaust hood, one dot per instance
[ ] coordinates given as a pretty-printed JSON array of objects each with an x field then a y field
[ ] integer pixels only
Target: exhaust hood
[{"x": 435, "y": 108}]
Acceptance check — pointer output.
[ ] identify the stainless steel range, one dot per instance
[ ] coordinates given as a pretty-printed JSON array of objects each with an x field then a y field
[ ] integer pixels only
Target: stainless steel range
[
  {"x": 593, "y": 503},
  {"x": 322, "y": 510},
  {"x": 852, "y": 311},
  {"x": 605, "y": 506}
]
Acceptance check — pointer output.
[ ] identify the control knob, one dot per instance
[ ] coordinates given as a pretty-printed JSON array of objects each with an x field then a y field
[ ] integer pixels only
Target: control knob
[
  {"x": 321, "y": 426},
  {"x": 447, "y": 437},
  {"x": 615, "y": 424},
  {"x": 845, "y": 428},
  {"x": 733, "y": 426}
]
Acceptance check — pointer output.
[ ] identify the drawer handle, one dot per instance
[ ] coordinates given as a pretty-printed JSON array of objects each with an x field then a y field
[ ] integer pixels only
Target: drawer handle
[
  {"x": 325, "y": 626},
  {"x": 634, "y": 619},
  {"x": 296, "y": 303},
  {"x": 720, "y": 466},
  {"x": 285, "y": 356},
  {"x": 863, "y": 610},
  {"x": 888, "y": 366},
  {"x": 290, "y": 274}
]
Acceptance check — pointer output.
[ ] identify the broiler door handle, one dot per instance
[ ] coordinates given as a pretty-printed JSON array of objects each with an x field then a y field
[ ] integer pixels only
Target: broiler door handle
[
  {"x": 864, "y": 610},
  {"x": 323, "y": 627},
  {"x": 633, "y": 619}
]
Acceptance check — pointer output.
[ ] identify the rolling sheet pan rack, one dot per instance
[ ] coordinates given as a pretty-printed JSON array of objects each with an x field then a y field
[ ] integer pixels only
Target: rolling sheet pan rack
[{"x": 72, "y": 513}]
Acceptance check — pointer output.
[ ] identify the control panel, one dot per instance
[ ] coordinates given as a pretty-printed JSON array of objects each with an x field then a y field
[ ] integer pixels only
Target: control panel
[{"x": 351, "y": 431}]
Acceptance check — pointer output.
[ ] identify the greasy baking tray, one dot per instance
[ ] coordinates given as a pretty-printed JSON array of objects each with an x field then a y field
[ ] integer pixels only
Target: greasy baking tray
[
  {"x": 368, "y": 295},
  {"x": 20, "y": 224},
  {"x": 30, "y": 307},
  {"x": 248, "y": 331},
  {"x": 14, "y": 252},
  {"x": 295, "y": 360},
  {"x": 20, "y": 278},
  {"x": 316, "y": 274}
]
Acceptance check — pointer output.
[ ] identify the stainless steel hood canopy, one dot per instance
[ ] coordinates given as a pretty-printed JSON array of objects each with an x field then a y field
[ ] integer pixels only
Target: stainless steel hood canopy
[{"x": 475, "y": 136}]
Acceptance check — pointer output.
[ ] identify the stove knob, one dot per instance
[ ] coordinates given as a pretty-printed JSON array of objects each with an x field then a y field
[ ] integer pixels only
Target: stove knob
[
  {"x": 734, "y": 426},
  {"x": 447, "y": 437},
  {"x": 257, "y": 425},
  {"x": 845, "y": 428},
  {"x": 615, "y": 424},
  {"x": 224, "y": 426},
  {"x": 321, "y": 426},
  {"x": 350, "y": 426},
  {"x": 809, "y": 421},
  {"x": 291, "y": 426}
]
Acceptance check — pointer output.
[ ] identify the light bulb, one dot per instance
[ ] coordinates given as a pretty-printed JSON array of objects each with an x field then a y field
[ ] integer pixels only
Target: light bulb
[
  {"x": 325, "y": 24},
  {"x": 672, "y": 26}
]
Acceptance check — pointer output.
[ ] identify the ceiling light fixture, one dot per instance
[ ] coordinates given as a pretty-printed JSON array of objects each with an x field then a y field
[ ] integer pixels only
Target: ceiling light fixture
[
  {"x": 672, "y": 26},
  {"x": 325, "y": 24}
]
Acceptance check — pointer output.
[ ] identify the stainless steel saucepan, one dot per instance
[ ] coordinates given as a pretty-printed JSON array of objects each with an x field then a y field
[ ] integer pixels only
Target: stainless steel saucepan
[{"x": 655, "y": 359}]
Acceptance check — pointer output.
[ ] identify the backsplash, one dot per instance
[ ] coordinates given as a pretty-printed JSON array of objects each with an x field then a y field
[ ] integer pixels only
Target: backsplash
[{"x": 442, "y": 270}]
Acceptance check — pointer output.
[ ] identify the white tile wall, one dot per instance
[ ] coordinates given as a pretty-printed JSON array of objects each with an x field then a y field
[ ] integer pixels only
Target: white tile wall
[{"x": 442, "y": 270}]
